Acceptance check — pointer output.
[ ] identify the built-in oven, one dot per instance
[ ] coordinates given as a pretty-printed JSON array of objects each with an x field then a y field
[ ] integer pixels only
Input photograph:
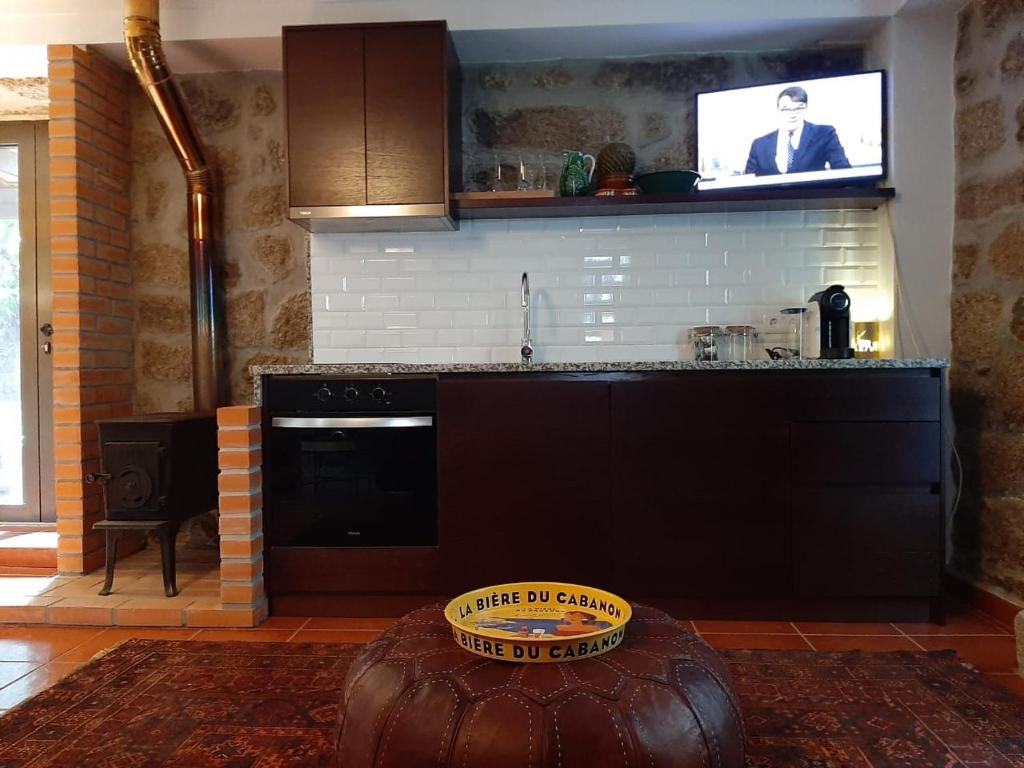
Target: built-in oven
[
  {"x": 352, "y": 463},
  {"x": 350, "y": 485}
]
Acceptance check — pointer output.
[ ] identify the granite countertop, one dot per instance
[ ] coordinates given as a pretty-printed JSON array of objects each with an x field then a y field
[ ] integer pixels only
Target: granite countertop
[{"x": 391, "y": 369}]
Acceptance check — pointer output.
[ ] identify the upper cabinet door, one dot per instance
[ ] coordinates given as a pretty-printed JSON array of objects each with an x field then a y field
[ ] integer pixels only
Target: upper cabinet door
[
  {"x": 405, "y": 114},
  {"x": 326, "y": 116}
]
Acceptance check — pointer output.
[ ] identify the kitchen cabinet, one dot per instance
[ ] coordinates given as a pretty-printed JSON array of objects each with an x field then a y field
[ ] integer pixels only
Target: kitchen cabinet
[
  {"x": 783, "y": 494},
  {"x": 775, "y": 494},
  {"x": 523, "y": 484},
  {"x": 699, "y": 499},
  {"x": 372, "y": 123}
]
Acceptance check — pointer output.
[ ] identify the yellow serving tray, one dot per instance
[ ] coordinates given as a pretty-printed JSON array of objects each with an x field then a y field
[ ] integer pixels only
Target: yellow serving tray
[{"x": 538, "y": 621}]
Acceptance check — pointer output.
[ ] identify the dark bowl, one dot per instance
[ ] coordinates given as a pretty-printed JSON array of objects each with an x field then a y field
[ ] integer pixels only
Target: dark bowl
[{"x": 679, "y": 182}]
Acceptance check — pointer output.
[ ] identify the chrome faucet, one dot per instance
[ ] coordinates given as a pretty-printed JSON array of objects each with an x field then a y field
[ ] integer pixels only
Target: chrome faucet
[{"x": 526, "y": 351}]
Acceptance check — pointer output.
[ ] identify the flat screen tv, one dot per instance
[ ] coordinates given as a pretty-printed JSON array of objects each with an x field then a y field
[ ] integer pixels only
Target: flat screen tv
[{"x": 828, "y": 130}]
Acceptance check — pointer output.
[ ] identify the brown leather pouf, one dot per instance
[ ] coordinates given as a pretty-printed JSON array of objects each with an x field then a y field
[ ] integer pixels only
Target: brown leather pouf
[{"x": 413, "y": 698}]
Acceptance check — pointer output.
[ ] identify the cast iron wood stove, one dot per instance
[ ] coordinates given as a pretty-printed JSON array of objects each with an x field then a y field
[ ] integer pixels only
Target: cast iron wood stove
[{"x": 156, "y": 471}]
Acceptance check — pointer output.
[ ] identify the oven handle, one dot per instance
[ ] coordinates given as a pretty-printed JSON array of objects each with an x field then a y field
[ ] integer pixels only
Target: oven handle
[{"x": 352, "y": 422}]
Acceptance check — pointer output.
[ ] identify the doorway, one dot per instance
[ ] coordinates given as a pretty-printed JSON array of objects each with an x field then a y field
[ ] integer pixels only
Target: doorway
[{"x": 26, "y": 375}]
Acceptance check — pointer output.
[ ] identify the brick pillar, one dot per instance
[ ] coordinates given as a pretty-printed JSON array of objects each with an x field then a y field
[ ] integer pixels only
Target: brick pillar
[
  {"x": 90, "y": 177},
  {"x": 241, "y": 512}
]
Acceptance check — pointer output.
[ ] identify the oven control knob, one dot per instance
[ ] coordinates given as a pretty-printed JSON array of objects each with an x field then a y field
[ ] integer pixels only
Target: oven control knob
[
  {"x": 380, "y": 395},
  {"x": 324, "y": 395},
  {"x": 350, "y": 394}
]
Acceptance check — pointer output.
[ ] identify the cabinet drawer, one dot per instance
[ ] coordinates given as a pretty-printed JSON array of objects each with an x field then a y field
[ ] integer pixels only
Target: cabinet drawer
[
  {"x": 824, "y": 453},
  {"x": 867, "y": 544},
  {"x": 913, "y": 395}
]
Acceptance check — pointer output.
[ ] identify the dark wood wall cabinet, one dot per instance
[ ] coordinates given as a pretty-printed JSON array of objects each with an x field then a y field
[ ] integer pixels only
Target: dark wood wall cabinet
[
  {"x": 732, "y": 494},
  {"x": 373, "y": 118}
]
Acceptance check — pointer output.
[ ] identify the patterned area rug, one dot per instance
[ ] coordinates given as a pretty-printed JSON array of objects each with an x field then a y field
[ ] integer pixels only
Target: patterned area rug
[{"x": 261, "y": 705}]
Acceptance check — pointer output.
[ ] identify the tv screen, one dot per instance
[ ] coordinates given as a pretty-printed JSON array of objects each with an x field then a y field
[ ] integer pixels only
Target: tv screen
[{"x": 825, "y": 130}]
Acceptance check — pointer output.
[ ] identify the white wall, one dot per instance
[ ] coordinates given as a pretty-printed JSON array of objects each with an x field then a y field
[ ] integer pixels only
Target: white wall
[
  {"x": 607, "y": 289},
  {"x": 917, "y": 48}
]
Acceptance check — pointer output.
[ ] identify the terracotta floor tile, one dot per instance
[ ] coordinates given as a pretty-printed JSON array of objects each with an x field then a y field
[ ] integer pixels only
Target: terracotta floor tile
[
  {"x": 12, "y": 670},
  {"x": 989, "y": 654},
  {"x": 746, "y": 627},
  {"x": 1012, "y": 681},
  {"x": 331, "y": 622},
  {"x": 31, "y": 585},
  {"x": 251, "y": 635},
  {"x": 958, "y": 624},
  {"x": 34, "y": 682},
  {"x": 844, "y": 628},
  {"x": 861, "y": 643},
  {"x": 41, "y": 643},
  {"x": 335, "y": 635},
  {"x": 108, "y": 638},
  {"x": 284, "y": 622},
  {"x": 764, "y": 642}
]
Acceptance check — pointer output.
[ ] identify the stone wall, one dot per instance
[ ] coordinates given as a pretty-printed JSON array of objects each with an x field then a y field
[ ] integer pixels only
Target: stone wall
[
  {"x": 240, "y": 119},
  {"x": 24, "y": 98},
  {"x": 988, "y": 295},
  {"x": 542, "y": 108}
]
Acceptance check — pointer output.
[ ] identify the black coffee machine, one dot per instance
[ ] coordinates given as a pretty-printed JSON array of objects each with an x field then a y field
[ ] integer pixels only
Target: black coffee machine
[{"x": 830, "y": 312}]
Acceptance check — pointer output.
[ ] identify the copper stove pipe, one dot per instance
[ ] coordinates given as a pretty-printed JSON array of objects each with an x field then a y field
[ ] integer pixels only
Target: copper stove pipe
[{"x": 145, "y": 51}]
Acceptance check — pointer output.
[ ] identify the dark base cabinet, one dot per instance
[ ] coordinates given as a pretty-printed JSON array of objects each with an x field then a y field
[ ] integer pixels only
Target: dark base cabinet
[
  {"x": 804, "y": 494},
  {"x": 698, "y": 478},
  {"x": 523, "y": 483},
  {"x": 799, "y": 495}
]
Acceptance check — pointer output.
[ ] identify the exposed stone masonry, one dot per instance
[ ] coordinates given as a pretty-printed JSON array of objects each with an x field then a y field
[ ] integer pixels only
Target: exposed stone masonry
[
  {"x": 988, "y": 295},
  {"x": 536, "y": 110},
  {"x": 240, "y": 118}
]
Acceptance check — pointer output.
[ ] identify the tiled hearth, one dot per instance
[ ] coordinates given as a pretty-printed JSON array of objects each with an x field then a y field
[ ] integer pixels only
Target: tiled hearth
[
  {"x": 218, "y": 587},
  {"x": 136, "y": 600}
]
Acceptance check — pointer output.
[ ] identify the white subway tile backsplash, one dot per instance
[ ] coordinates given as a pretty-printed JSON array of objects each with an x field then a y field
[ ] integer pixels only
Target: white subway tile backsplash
[
  {"x": 361, "y": 320},
  {"x": 707, "y": 297},
  {"x": 823, "y": 218},
  {"x": 384, "y": 338},
  {"x": 802, "y": 238},
  {"x": 749, "y": 294},
  {"x": 381, "y": 302},
  {"x": 603, "y": 288},
  {"x": 414, "y": 301},
  {"x": 823, "y": 257},
  {"x": 454, "y": 337},
  {"x": 726, "y": 276},
  {"x": 741, "y": 259},
  {"x": 455, "y": 300}
]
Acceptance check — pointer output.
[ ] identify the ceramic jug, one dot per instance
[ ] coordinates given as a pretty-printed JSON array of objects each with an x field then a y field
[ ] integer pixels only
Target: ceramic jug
[{"x": 575, "y": 178}]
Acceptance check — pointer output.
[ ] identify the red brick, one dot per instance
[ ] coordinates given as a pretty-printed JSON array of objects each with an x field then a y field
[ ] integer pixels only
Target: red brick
[
  {"x": 240, "y": 503},
  {"x": 239, "y": 482},
  {"x": 238, "y": 416}
]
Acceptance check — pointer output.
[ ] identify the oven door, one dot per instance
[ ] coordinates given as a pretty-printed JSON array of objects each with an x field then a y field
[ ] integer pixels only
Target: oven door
[{"x": 353, "y": 481}]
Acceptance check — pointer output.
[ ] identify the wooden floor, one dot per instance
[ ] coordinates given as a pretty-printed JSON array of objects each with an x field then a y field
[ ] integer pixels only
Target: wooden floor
[{"x": 33, "y": 657}]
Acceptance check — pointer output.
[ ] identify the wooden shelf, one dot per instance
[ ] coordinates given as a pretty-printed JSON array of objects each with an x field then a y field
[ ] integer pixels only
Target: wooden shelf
[{"x": 712, "y": 201}]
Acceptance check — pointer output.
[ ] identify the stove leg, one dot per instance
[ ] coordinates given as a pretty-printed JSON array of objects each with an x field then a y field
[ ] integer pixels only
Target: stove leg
[
  {"x": 168, "y": 534},
  {"x": 108, "y": 580}
]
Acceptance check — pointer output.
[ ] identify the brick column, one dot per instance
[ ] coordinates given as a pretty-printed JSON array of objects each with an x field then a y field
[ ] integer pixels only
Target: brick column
[
  {"x": 92, "y": 303},
  {"x": 241, "y": 512}
]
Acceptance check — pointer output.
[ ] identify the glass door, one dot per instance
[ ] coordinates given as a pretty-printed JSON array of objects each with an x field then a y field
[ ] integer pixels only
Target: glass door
[{"x": 26, "y": 432}]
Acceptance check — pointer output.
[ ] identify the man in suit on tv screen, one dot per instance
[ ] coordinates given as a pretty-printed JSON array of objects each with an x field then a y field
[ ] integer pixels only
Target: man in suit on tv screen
[{"x": 797, "y": 146}]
